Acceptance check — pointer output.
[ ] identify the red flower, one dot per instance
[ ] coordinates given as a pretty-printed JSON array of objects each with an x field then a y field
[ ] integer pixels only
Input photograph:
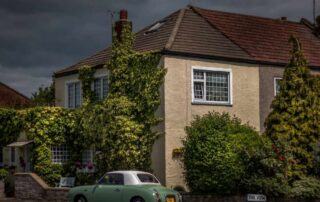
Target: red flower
[{"x": 281, "y": 158}]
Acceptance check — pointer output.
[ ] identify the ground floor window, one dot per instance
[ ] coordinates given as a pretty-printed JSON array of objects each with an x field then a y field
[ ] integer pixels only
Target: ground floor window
[
  {"x": 13, "y": 154},
  {"x": 87, "y": 156},
  {"x": 60, "y": 154}
]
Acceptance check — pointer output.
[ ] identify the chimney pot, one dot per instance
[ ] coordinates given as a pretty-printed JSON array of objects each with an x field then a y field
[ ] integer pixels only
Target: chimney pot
[{"x": 123, "y": 14}]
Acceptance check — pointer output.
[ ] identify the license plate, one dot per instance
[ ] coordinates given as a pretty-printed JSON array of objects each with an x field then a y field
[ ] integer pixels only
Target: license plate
[{"x": 170, "y": 199}]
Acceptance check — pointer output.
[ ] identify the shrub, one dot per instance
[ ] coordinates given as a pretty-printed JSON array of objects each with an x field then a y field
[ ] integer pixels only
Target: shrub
[
  {"x": 219, "y": 153},
  {"x": 306, "y": 188},
  {"x": 3, "y": 174}
]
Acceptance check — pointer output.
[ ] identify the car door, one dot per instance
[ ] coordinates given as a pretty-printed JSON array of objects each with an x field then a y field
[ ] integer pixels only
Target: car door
[{"x": 109, "y": 188}]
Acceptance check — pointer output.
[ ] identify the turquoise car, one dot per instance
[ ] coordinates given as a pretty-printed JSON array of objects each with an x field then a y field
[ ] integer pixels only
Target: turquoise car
[{"x": 125, "y": 186}]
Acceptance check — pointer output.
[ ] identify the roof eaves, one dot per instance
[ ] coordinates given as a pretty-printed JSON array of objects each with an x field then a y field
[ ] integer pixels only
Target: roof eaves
[{"x": 231, "y": 59}]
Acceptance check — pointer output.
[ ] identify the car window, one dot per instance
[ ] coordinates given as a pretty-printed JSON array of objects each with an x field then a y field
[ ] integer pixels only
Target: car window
[
  {"x": 112, "y": 179},
  {"x": 147, "y": 178}
]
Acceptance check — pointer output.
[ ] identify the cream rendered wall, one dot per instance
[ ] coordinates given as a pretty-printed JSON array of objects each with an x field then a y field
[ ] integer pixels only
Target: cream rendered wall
[
  {"x": 179, "y": 110},
  {"x": 61, "y": 82}
]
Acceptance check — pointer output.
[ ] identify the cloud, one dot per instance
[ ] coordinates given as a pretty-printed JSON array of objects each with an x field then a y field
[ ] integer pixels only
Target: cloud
[{"x": 39, "y": 37}]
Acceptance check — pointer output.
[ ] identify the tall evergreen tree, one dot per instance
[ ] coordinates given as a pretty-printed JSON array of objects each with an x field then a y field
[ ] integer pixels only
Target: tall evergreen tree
[{"x": 293, "y": 125}]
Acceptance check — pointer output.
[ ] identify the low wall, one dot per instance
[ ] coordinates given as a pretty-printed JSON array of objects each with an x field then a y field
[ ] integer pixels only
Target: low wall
[
  {"x": 30, "y": 187},
  {"x": 187, "y": 197}
]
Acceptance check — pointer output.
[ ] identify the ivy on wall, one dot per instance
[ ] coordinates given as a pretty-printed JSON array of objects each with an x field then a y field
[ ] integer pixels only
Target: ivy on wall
[
  {"x": 86, "y": 74},
  {"x": 48, "y": 126},
  {"x": 10, "y": 126}
]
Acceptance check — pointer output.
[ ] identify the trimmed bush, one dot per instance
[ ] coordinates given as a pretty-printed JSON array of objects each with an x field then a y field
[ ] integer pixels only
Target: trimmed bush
[{"x": 220, "y": 152}]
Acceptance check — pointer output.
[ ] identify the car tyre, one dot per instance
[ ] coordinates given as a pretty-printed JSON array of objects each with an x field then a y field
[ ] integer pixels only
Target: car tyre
[
  {"x": 137, "y": 199},
  {"x": 80, "y": 199}
]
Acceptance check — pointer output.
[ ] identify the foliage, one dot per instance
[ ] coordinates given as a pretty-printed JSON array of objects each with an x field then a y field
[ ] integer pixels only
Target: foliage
[
  {"x": 48, "y": 126},
  {"x": 120, "y": 126},
  {"x": 306, "y": 188},
  {"x": 220, "y": 152},
  {"x": 44, "y": 96},
  {"x": 10, "y": 126},
  {"x": 3, "y": 174},
  {"x": 276, "y": 186},
  {"x": 9, "y": 185},
  {"x": 86, "y": 74},
  {"x": 293, "y": 125}
]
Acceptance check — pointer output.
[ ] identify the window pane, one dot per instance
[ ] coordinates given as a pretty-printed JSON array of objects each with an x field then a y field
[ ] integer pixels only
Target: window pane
[
  {"x": 145, "y": 178},
  {"x": 97, "y": 89},
  {"x": 105, "y": 87},
  {"x": 112, "y": 179},
  {"x": 277, "y": 85},
  {"x": 198, "y": 90},
  {"x": 60, "y": 154},
  {"x": 71, "y": 95},
  {"x": 217, "y": 86},
  {"x": 77, "y": 94},
  {"x": 198, "y": 75},
  {"x": 87, "y": 156}
]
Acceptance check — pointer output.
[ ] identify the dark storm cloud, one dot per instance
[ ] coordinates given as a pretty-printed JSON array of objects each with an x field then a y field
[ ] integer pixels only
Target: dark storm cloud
[{"x": 38, "y": 37}]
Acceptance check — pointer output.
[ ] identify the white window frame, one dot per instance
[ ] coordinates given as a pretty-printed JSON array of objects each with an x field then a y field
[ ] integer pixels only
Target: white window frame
[
  {"x": 100, "y": 76},
  {"x": 212, "y": 69},
  {"x": 275, "y": 84},
  {"x": 60, "y": 161},
  {"x": 67, "y": 93}
]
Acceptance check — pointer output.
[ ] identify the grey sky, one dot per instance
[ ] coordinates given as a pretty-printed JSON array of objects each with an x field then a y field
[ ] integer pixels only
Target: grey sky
[{"x": 38, "y": 37}]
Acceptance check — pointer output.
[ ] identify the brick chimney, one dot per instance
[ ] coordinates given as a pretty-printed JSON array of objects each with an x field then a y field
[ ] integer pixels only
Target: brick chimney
[{"x": 121, "y": 22}]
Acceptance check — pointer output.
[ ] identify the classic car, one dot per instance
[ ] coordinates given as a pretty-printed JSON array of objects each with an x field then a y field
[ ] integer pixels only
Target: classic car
[{"x": 125, "y": 186}]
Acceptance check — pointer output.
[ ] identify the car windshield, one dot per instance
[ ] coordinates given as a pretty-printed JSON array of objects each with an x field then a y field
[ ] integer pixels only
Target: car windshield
[{"x": 147, "y": 178}]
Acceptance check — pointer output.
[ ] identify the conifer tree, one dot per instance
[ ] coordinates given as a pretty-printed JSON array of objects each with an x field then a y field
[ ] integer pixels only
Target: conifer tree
[{"x": 293, "y": 124}]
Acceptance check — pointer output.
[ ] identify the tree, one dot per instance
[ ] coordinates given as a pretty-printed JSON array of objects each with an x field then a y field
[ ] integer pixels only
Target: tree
[
  {"x": 44, "y": 96},
  {"x": 293, "y": 125}
]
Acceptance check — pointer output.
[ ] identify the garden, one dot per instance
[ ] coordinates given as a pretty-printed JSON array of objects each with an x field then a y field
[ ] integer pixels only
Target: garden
[{"x": 223, "y": 156}]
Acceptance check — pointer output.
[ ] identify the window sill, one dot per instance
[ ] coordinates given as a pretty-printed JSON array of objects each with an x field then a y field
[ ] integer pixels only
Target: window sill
[{"x": 211, "y": 103}]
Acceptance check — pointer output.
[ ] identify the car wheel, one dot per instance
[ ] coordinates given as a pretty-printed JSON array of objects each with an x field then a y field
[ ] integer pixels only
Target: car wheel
[
  {"x": 137, "y": 199},
  {"x": 80, "y": 199}
]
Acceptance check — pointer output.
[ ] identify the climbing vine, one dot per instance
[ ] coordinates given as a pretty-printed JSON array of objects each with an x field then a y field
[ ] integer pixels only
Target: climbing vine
[
  {"x": 86, "y": 74},
  {"x": 122, "y": 124},
  {"x": 47, "y": 127},
  {"x": 10, "y": 126}
]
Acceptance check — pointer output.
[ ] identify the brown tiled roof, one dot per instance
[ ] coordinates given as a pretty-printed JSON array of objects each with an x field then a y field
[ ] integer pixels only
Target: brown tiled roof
[
  {"x": 201, "y": 32},
  {"x": 264, "y": 39},
  {"x": 10, "y": 98}
]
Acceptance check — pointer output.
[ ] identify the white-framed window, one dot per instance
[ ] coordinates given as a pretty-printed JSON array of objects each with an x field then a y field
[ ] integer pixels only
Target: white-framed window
[
  {"x": 73, "y": 94},
  {"x": 100, "y": 87},
  {"x": 211, "y": 85},
  {"x": 60, "y": 154},
  {"x": 87, "y": 156},
  {"x": 276, "y": 85}
]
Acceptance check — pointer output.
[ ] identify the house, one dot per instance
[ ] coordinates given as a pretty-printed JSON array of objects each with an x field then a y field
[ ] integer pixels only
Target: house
[
  {"x": 215, "y": 60},
  {"x": 10, "y": 98}
]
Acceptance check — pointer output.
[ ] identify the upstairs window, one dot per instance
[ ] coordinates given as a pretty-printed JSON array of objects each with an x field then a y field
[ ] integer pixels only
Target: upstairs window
[
  {"x": 100, "y": 87},
  {"x": 74, "y": 95},
  {"x": 211, "y": 86},
  {"x": 276, "y": 84}
]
